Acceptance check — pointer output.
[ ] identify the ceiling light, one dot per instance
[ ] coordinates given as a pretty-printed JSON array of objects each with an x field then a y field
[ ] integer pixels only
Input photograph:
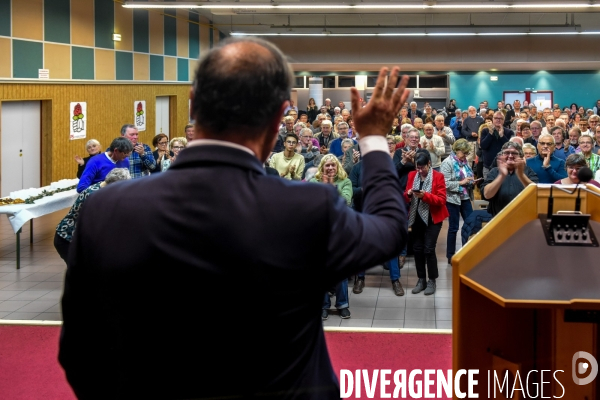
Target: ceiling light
[
  {"x": 238, "y": 5},
  {"x": 437, "y": 34}
]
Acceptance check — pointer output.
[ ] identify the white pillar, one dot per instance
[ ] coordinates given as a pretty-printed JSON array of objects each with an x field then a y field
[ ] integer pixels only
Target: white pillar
[{"x": 315, "y": 89}]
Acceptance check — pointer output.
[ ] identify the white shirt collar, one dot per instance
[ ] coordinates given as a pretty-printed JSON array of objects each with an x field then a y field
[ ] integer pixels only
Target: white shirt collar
[{"x": 214, "y": 142}]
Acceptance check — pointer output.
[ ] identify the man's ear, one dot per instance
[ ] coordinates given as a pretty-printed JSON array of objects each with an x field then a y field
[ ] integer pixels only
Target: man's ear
[{"x": 272, "y": 131}]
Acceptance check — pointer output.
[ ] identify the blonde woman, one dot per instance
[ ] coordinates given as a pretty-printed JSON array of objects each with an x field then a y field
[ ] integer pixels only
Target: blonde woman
[
  {"x": 331, "y": 172},
  {"x": 177, "y": 144}
]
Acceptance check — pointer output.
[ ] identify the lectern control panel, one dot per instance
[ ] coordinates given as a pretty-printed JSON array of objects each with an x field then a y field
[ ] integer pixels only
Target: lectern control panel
[{"x": 568, "y": 229}]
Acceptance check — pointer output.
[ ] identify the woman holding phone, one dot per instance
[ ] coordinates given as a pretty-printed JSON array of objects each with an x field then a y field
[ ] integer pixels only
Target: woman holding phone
[
  {"x": 426, "y": 192},
  {"x": 459, "y": 179}
]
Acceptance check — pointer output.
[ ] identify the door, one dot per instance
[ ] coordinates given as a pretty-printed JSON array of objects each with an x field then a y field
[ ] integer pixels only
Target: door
[
  {"x": 21, "y": 146},
  {"x": 162, "y": 115},
  {"x": 510, "y": 97}
]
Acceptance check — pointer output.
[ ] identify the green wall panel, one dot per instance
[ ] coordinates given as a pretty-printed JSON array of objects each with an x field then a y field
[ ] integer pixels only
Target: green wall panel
[
  {"x": 5, "y": 17},
  {"x": 124, "y": 61},
  {"x": 28, "y": 57},
  {"x": 157, "y": 68},
  {"x": 469, "y": 88},
  {"x": 82, "y": 60},
  {"x": 141, "y": 39},
  {"x": 194, "y": 36},
  {"x": 183, "y": 70},
  {"x": 170, "y": 32},
  {"x": 104, "y": 23},
  {"x": 57, "y": 21}
]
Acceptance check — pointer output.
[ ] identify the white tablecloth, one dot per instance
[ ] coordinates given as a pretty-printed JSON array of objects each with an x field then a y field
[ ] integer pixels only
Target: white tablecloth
[{"x": 19, "y": 214}]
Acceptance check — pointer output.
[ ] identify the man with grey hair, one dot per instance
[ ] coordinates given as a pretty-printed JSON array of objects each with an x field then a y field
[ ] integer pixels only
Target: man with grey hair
[
  {"x": 66, "y": 227},
  {"x": 492, "y": 140},
  {"x": 336, "y": 145},
  {"x": 470, "y": 130},
  {"x": 305, "y": 145},
  {"x": 508, "y": 179},
  {"x": 546, "y": 165},
  {"x": 141, "y": 160},
  {"x": 445, "y": 133},
  {"x": 413, "y": 112},
  {"x": 326, "y": 136}
]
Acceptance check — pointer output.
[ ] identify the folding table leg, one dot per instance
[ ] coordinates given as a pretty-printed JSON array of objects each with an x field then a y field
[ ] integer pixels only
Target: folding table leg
[
  {"x": 31, "y": 231},
  {"x": 19, "y": 248}
]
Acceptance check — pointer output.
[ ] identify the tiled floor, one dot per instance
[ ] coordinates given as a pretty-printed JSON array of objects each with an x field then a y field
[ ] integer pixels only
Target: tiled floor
[
  {"x": 378, "y": 307},
  {"x": 34, "y": 291}
]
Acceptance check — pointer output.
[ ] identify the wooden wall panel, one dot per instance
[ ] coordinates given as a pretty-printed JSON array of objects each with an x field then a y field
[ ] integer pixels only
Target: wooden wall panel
[
  {"x": 108, "y": 106},
  {"x": 204, "y": 39}
]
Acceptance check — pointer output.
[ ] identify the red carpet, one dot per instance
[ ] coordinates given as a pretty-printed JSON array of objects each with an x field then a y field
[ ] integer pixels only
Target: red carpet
[
  {"x": 394, "y": 351},
  {"x": 29, "y": 368}
]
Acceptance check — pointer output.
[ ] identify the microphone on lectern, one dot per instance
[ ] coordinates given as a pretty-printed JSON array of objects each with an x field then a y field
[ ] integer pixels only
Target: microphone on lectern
[{"x": 584, "y": 175}]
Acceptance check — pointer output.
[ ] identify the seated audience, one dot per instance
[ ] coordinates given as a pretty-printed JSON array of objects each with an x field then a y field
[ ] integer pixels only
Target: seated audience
[
  {"x": 98, "y": 167},
  {"x": 508, "y": 179},
  {"x": 93, "y": 148},
  {"x": 426, "y": 192},
  {"x": 547, "y": 167},
  {"x": 66, "y": 227}
]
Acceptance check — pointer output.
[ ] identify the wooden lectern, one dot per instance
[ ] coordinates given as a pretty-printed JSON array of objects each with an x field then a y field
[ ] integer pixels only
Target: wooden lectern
[{"x": 515, "y": 295}]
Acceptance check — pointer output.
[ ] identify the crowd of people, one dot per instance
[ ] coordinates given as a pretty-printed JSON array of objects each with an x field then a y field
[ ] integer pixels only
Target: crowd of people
[{"x": 442, "y": 157}]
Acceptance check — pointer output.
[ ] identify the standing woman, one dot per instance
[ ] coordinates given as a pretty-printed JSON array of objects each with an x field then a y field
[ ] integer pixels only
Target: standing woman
[
  {"x": 331, "y": 172},
  {"x": 312, "y": 110},
  {"x": 459, "y": 185},
  {"x": 426, "y": 191},
  {"x": 93, "y": 148},
  {"x": 162, "y": 155}
]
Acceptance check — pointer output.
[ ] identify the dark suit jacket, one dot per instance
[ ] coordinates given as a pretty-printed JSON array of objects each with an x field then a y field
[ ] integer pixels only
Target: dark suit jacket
[{"x": 214, "y": 288}]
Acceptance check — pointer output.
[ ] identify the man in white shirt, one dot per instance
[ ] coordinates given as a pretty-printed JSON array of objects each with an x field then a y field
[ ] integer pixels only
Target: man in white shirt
[{"x": 434, "y": 144}]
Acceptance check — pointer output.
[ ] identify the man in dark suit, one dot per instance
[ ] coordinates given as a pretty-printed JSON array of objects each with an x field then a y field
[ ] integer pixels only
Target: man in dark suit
[{"x": 215, "y": 242}]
